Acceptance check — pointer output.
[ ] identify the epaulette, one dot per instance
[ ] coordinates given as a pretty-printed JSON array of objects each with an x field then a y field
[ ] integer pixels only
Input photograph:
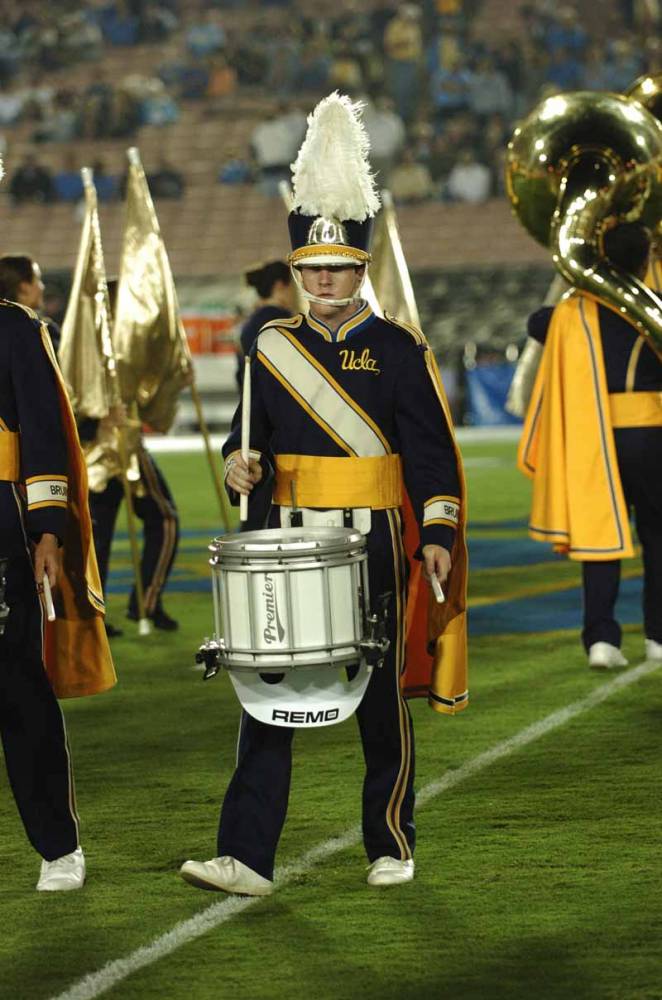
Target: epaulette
[
  {"x": 291, "y": 322},
  {"x": 413, "y": 331}
]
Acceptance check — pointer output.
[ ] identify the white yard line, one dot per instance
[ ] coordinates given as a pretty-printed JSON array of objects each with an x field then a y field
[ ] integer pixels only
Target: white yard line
[{"x": 219, "y": 913}]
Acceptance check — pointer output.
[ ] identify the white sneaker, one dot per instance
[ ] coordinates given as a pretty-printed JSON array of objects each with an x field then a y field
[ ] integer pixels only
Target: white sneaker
[
  {"x": 390, "y": 871},
  {"x": 653, "y": 650},
  {"x": 67, "y": 872},
  {"x": 604, "y": 656},
  {"x": 226, "y": 874}
]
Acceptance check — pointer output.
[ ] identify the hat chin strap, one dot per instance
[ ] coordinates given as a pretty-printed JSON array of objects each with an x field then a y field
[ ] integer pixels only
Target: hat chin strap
[{"x": 309, "y": 297}]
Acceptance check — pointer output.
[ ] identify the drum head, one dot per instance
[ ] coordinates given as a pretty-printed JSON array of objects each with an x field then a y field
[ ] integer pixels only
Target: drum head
[
  {"x": 302, "y": 699},
  {"x": 276, "y": 542}
]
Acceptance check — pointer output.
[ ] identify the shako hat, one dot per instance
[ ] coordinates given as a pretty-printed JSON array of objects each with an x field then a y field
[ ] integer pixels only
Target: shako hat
[{"x": 334, "y": 194}]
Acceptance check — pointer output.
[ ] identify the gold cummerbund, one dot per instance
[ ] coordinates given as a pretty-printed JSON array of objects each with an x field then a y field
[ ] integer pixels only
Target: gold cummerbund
[
  {"x": 10, "y": 456},
  {"x": 374, "y": 482},
  {"x": 635, "y": 409}
]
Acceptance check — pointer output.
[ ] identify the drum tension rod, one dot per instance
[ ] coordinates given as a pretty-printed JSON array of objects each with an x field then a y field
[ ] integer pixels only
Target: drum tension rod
[
  {"x": 375, "y": 645},
  {"x": 208, "y": 653}
]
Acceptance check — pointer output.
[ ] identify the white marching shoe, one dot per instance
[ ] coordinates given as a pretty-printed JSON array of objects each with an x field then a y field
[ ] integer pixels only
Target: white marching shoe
[
  {"x": 226, "y": 874},
  {"x": 604, "y": 656},
  {"x": 653, "y": 650},
  {"x": 390, "y": 871},
  {"x": 63, "y": 874}
]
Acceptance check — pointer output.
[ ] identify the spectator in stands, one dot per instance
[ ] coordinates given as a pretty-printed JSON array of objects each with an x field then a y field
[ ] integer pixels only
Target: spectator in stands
[
  {"x": 120, "y": 26},
  {"x": 81, "y": 36},
  {"x": 9, "y": 55},
  {"x": 67, "y": 183},
  {"x": 488, "y": 90},
  {"x": 449, "y": 89},
  {"x": 235, "y": 169},
  {"x": 275, "y": 144},
  {"x": 222, "y": 81},
  {"x": 564, "y": 69},
  {"x": 59, "y": 120},
  {"x": 156, "y": 106},
  {"x": 403, "y": 52},
  {"x": 206, "y": 35},
  {"x": 410, "y": 181},
  {"x": 311, "y": 73},
  {"x": 95, "y": 103},
  {"x": 166, "y": 182},
  {"x": 469, "y": 180},
  {"x": 11, "y": 106},
  {"x": 31, "y": 182},
  {"x": 626, "y": 63},
  {"x": 345, "y": 72},
  {"x": 386, "y": 132}
]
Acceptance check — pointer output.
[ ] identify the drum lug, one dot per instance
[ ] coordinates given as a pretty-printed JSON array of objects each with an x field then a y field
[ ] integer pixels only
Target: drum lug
[
  {"x": 376, "y": 644},
  {"x": 209, "y": 654}
]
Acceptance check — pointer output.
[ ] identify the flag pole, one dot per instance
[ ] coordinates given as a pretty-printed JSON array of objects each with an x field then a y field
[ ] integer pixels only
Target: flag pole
[
  {"x": 133, "y": 156},
  {"x": 102, "y": 310}
]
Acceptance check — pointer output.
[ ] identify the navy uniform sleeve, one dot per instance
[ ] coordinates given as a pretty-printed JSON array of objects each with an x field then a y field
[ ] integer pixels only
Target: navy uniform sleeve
[
  {"x": 43, "y": 444},
  {"x": 538, "y": 323},
  {"x": 430, "y": 466}
]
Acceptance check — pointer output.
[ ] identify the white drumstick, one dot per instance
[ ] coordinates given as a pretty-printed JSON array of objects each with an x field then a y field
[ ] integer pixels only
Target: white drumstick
[
  {"x": 48, "y": 600},
  {"x": 245, "y": 433},
  {"x": 436, "y": 586}
]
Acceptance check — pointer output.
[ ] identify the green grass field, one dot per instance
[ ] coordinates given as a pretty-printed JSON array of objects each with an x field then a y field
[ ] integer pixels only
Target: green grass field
[{"x": 538, "y": 874}]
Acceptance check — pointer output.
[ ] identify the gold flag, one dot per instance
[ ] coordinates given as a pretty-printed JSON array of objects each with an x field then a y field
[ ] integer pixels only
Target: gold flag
[
  {"x": 389, "y": 274},
  {"x": 86, "y": 356},
  {"x": 80, "y": 354},
  {"x": 149, "y": 338}
]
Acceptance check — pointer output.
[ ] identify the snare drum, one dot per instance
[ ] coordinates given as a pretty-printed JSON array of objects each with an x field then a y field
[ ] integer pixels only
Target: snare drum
[{"x": 290, "y": 610}]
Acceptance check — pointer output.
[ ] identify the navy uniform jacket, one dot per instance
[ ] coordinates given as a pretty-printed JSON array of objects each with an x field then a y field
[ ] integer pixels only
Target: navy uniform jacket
[
  {"x": 29, "y": 405},
  {"x": 619, "y": 342},
  {"x": 381, "y": 366}
]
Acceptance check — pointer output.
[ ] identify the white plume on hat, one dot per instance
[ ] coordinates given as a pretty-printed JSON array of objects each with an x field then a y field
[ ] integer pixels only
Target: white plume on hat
[
  {"x": 331, "y": 176},
  {"x": 2, "y": 169}
]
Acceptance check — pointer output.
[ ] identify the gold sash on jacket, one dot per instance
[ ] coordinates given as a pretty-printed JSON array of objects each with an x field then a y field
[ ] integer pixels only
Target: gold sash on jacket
[{"x": 567, "y": 445}]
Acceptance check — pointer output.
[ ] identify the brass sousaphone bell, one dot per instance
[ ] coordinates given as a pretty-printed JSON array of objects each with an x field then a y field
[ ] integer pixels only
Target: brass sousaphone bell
[{"x": 579, "y": 164}]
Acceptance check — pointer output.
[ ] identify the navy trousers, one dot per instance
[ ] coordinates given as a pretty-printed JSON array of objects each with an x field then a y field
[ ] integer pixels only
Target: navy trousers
[
  {"x": 158, "y": 512},
  {"x": 255, "y": 804},
  {"x": 639, "y": 452},
  {"x": 31, "y": 723}
]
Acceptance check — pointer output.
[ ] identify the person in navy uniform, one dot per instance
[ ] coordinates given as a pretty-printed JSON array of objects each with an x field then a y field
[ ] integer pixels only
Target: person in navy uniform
[
  {"x": 33, "y": 501},
  {"x": 154, "y": 504},
  {"x": 276, "y": 299},
  {"x": 339, "y": 387},
  {"x": 631, "y": 367}
]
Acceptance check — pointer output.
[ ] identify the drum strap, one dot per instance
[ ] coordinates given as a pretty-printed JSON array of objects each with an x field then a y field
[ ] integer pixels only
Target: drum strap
[
  {"x": 374, "y": 482},
  {"x": 10, "y": 456}
]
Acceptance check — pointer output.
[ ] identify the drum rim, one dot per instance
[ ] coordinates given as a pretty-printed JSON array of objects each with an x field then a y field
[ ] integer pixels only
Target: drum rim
[{"x": 324, "y": 541}]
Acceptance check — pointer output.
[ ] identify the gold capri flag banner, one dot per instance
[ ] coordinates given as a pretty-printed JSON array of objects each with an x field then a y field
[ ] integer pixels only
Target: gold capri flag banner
[
  {"x": 149, "y": 337},
  {"x": 437, "y": 655}
]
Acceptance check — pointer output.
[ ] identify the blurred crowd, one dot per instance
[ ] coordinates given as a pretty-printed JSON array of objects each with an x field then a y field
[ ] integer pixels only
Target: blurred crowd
[{"x": 440, "y": 97}]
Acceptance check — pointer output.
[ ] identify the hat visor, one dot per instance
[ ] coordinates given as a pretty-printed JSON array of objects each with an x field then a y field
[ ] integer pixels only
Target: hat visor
[{"x": 329, "y": 255}]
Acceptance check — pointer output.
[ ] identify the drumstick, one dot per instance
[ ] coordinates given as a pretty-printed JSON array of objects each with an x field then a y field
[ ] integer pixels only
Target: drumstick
[
  {"x": 48, "y": 600},
  {"x": 245, "y": 433},
  {"x": 436, "y": 587}
]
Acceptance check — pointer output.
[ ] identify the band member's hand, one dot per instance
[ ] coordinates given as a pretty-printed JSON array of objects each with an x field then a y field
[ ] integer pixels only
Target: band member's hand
[
  {"x": 47, "y": 560},
  {"x": 437, "y": 561},
  {"x": 241, "y": 477}
]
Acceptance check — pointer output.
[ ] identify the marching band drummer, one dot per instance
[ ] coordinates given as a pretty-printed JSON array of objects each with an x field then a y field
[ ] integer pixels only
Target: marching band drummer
[{"x": 345, "y": 406}]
